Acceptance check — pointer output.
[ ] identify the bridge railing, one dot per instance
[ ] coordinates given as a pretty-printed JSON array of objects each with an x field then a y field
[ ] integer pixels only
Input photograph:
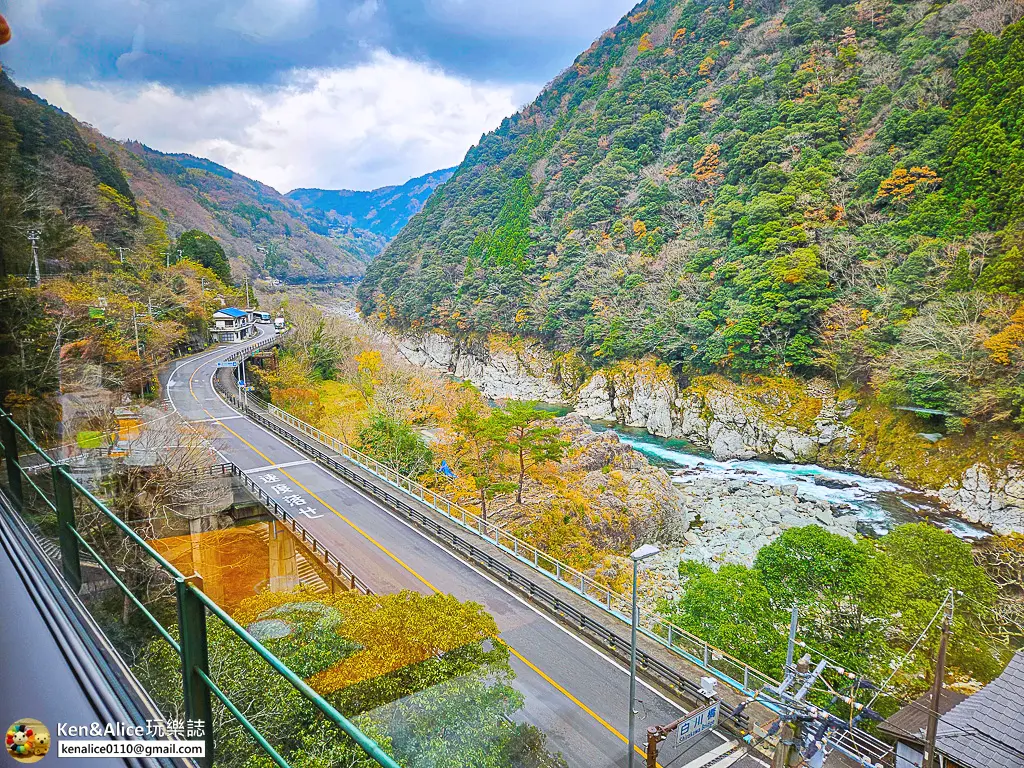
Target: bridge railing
[
  {"x": 193, "y": 607},
  {"x": 716, "y": 661}
]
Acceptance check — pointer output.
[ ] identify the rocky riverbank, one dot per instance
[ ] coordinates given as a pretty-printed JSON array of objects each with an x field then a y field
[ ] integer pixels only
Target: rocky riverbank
[
  {"x": 613, "y": 496},
  {"x": 781, "y": 418},
  {"x": 602, "y": 488},
  {"x": 733, "y": 519}
]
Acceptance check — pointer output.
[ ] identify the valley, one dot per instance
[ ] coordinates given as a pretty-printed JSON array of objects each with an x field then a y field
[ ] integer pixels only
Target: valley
[{"x": 715, "y": 341}]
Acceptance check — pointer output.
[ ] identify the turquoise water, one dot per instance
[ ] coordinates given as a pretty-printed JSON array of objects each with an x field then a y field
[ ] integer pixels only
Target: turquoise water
[{"x": 879, "y": 504}]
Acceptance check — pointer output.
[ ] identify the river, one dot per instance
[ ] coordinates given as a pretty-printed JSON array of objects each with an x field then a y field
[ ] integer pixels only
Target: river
[{"x": 880, "y": 504}]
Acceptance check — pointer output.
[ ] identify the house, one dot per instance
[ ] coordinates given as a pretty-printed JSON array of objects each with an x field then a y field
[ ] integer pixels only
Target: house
[
  {"x": 985, "y": 730},
  {"x": 908, "y": 726},
  {"x": 232, "y": 324}
]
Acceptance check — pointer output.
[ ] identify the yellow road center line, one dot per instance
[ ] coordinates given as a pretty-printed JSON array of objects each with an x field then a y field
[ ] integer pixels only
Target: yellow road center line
[
  {"x": 544, "y": 676},
  {"x": 359, "y": 530},
  {"x": 569, "y": 696}
]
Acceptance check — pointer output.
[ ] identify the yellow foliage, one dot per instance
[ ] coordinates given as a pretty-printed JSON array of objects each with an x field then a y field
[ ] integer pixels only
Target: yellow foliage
[
  {"x": 706, "y": 168},
  {"x": 369, "y": 361},
  {"x": 902, "y": 183},
  {"x": 679, "y": 35},
  {"x": 706, "y": 66},
  {"x": 394, "y": 630},
  {"x": 645, "y": 43},
  {"x": 639, "y": 228},
  {"x": 1003, "y": 345}
]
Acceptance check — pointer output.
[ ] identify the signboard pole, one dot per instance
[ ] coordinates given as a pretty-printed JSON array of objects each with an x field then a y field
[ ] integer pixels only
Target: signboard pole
[{"x": 690, "y": 726}]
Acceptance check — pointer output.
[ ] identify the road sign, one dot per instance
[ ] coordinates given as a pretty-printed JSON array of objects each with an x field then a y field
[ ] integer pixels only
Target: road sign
[
  {"x": 227, "y": 364},
  {"x": 701, "y": 721}
]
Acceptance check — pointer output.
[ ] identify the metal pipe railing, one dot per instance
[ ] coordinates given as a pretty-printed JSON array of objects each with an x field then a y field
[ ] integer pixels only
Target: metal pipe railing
[
  {"x": 193, "y": 605},
  {"x": 731, "y": 670}
]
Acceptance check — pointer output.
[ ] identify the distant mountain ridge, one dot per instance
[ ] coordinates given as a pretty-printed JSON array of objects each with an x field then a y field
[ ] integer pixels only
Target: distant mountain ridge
[
  {"x": 255, "y": 224},
  {"x": 383, "y": 211}
]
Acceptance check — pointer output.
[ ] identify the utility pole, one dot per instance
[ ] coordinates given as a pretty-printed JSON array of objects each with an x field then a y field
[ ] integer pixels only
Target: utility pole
[
  {"x": 936, "y": 697},
  {"x": 245, "y": 398},
  {"x": 135, "y": 322},
  {"x": 33, "y": 237},
  {"x": 789, "y": 735},
  {"x": 246, "y": 291},
  {"x": 202, "y": 286},
  {"x": 121, "y": 249}
]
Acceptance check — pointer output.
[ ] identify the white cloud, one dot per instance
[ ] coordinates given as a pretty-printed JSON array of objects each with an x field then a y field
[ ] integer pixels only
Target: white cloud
[{"x": 360, "y": 127}]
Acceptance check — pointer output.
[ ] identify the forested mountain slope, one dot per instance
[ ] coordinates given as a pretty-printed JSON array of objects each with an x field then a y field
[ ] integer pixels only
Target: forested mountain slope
[
  {"x": 188, "y": 192},
  {"x": 753, "y": 187},
  {"x": 383, "y": 211},
  {"x": 108, "y": 310}
]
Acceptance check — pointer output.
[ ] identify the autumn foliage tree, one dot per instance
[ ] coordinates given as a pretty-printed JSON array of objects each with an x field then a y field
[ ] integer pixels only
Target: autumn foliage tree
[{"x": 903, "y": 182}]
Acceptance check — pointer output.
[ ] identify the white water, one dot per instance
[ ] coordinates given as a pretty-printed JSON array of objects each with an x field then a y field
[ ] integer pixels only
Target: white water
[{"x": 879, "y": 504}]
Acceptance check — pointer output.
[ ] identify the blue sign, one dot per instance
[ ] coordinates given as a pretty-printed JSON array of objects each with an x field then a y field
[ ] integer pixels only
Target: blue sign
[
  {"x": 701, "y": 721},
  {"x": 227, "y": 364}
]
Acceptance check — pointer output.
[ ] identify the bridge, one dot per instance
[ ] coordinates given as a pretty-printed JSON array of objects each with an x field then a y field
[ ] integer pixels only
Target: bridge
[{"x": 564, "y": 634}]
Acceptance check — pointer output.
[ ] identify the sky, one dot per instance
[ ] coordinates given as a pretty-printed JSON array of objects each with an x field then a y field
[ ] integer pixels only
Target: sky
[{"x": 337, "y": 94}]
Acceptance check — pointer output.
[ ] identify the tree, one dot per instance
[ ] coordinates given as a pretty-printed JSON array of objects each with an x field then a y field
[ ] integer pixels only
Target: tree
[
  {"x": 198, "y": 246},
  {"x": 394, "y": 442},
  {"x": 733, "y": 610},
  {"x": 826, "y": 575},
  {"x": 1004, "y": 274},
  {"x": 903, "y": 183},
  {"x": 482, "y": 441},
  {"x": 529, "y": 438}
]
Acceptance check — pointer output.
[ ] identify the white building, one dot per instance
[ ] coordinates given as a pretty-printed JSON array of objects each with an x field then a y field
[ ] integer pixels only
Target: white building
[{"x": 232, "y": 324}]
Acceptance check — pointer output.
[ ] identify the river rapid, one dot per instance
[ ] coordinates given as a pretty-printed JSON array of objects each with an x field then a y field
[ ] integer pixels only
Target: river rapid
[{"x": 880, "y": 505}]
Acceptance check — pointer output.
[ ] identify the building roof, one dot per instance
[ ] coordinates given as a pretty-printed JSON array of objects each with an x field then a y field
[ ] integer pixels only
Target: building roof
[
  {"x": 987, "y": 730},
  {"x": 911, "y": 722},
  {"x": 232, "y": 312}
]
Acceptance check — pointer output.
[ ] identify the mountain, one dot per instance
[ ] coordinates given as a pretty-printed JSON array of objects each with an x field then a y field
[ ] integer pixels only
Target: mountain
[
  {"x": 108, "y": 310},
  {"x": 244, "y": 215},
  {"x": 382, "y": 211},
  {"x": 753, "y": 187}
]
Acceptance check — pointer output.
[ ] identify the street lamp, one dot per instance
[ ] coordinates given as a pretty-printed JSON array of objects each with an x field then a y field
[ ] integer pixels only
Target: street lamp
[{"x": 641, "y": 553}]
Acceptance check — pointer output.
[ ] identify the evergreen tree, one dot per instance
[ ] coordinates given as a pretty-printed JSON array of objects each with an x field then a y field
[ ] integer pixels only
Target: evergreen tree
[{"x": 199, "y": 247}]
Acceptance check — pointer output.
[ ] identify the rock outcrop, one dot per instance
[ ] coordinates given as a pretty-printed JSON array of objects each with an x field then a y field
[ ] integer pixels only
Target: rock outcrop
[
  {"x": 776, "y": 417},
  {"x": 994, "y": 498},
  {"x": 498, "y": 370},
  {"x": 714, "y": 413},
  {"x": 734, "y": 519},
  {"x": 733, "y": 422},
  {"x": 628, "y": 500}
]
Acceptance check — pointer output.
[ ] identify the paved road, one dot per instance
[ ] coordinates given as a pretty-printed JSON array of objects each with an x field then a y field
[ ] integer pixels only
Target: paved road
[{"x": 576, "y": 694}]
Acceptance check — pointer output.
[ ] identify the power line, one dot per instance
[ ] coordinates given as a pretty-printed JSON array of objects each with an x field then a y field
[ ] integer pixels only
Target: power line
[{"x": 903, "y": 661}]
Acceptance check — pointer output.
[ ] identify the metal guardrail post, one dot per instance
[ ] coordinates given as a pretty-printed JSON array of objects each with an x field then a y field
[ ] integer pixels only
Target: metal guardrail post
[
  {"x": 194, "y": 656},
  {"x": 64, "y": 499},
  {"x": 10, "y": 442}
]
